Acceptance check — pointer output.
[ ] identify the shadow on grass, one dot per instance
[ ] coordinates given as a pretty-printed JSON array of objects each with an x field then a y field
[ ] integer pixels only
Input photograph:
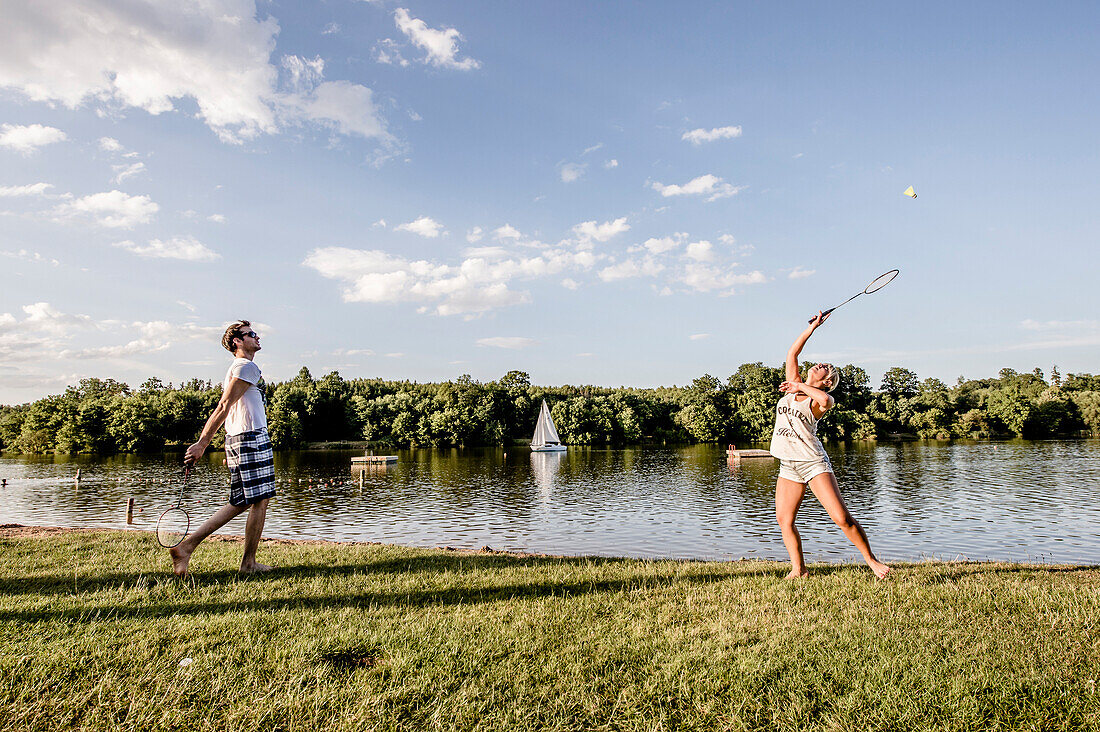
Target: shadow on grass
[{"x": 446, "y": 596}]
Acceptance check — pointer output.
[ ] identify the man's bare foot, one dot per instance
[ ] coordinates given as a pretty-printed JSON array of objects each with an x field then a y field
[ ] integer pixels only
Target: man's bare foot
[
  {"x": 880, "y": 569},
  {"x": 795, "y": 574},
  {"x": 180, "y": 559},
  {"x": 254, "y": 568}
]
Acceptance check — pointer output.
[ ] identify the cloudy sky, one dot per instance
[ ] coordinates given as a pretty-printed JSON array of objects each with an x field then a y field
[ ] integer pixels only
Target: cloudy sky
[{"x": 603, "y": 193}]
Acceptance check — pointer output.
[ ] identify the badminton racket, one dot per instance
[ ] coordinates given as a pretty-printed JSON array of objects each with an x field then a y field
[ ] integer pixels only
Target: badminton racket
[
  {"x": 173, "y": 524},
  {"x": 876, "y": 284}
]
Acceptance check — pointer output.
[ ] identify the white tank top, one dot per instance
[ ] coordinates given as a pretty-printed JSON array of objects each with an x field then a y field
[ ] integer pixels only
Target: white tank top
[{"x": 795, "y": 433}]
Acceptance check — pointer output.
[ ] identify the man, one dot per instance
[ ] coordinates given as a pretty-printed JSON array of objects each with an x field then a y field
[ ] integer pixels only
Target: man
[{"x": 247, "y": 451}]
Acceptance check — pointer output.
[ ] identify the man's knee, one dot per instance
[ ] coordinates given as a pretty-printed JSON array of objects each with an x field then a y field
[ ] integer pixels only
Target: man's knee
[{"x": 785, "y": 520}]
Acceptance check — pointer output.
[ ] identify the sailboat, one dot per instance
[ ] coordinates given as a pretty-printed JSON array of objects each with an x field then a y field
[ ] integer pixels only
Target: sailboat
[{"x": 546, "y": 434}]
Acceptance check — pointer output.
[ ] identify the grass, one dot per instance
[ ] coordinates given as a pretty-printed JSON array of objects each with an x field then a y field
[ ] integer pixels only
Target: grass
[{"x": 363, "y": 637}]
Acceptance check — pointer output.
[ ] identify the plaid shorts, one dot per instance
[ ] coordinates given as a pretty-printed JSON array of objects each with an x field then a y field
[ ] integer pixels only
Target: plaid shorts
[{"x": 251, "y": 467}]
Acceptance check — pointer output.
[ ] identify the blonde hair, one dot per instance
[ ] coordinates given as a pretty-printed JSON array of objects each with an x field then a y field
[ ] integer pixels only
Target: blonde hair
[
  {"x": 233, "y": 331},
  {"x": 833, "y": 376}
]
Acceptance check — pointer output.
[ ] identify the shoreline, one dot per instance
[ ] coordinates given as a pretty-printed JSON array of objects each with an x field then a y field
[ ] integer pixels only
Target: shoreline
[{"x": 26, "y": 531}]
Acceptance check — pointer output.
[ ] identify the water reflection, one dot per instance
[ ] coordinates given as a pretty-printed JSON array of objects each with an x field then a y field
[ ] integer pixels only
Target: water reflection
[{"x": 1010, "y": 500}]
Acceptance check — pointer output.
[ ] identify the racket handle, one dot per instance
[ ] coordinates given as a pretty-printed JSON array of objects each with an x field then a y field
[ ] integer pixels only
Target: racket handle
[{"x": 823, "y": 314}]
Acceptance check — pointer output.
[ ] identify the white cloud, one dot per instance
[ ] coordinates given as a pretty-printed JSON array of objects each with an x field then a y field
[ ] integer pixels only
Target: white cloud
[
  {"x": 440, "y": 45},
  {"x": 572, "y": 171},
  {"x": 31, "y": 189},
  {"x": 28, "y": 256},
  {"x": 476, "y": 285},
  {"x": 613, "y": 163},
  {"x": 379, "y": 224},
  {"x": 424, "y": 226},
  {"x": 151, "y": 56},
  {"x": 187, "y": 248},
  {"x": 700, "y": 251},
  {"x": 1049, "y": 325},
  {"x": 28, "y": 138},
  {"x": 140, "y": 345},
  {"x": 216, "y": 218},
  {"x": 698, "y": 336},
  {"x": 474, "y": 234},
  {"x": 43, "y": 318},
  {"x": 664, "y": 243},
  {"x": 798, "y": 273},
  {"x": 570, "y": 284},
  {"x": 185, "y": 304},
  {"x": 330, "y": 29},
  {"x": 506, "y": 232},
  {"x": 587, "y": 231},
  {"x": 110, "y": 144},
  {"x": 388, "y": 51},
  {"x": 123, "y": 172},
  {"x": 702, "y": 277},
  {"x": 628, "y": 268},
  {"x": 485, "y": 252},
  {"x": 112, "y": 209},
  {"x": 701, "y": 135},
  {"x": 512, "y": 342},
  {"x": 705, "y": 185},
  {"x": 594, "y": 148}
]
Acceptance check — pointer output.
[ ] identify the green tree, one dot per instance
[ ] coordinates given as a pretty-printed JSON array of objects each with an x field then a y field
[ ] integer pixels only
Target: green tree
[{"x": 899, "y": 382}]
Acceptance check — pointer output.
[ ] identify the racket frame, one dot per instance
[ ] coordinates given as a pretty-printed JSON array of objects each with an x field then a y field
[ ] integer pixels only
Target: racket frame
[
  {"x": 865, "y": 291},
  {"x": 177, "y": 507}
]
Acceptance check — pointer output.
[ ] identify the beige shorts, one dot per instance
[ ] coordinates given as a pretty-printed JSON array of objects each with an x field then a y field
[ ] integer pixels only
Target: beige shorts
[{"x": 803, "y": 471}]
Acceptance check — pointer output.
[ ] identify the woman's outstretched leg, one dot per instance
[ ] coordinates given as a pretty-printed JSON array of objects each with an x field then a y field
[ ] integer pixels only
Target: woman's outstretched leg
[
  {"x": 788, "y": 497},
  {"x": 828, "y": 493}
]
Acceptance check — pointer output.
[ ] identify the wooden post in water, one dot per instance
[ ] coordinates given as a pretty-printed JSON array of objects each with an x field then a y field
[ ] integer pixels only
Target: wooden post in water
[{"x": 130, "y": 510}]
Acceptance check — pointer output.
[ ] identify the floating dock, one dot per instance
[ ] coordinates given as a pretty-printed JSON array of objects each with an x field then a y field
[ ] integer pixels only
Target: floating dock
[
  {"x": 373, "y": 460},
  {"x": 736, "y": 455}
]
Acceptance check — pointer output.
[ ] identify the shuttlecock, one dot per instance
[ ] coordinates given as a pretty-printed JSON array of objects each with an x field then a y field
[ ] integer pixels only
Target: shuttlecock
[{"x": 910, "y": 192}]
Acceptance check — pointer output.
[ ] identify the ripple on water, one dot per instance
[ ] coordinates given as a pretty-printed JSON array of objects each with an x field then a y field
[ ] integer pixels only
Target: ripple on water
[{"x": 1012, "y": 500}]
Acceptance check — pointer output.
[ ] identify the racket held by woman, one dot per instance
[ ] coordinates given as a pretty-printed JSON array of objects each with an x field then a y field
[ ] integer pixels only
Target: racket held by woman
[{"x": 876, "y": 284}]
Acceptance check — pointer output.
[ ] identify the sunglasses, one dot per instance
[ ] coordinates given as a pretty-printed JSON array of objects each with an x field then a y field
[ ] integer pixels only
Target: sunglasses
[{"x": 250, "y": 334}]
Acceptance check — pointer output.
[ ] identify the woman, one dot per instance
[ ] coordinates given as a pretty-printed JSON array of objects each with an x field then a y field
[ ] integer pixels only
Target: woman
[{"x": 802, "y": 459}]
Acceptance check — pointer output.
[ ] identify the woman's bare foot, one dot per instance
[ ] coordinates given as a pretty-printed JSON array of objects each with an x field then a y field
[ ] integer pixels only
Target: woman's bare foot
[
  {"x": 796, "y": 574},
  {"x": 880, "y": 569},
  {"x": 180, "y": 559},
  {"x": 254, "y": 568}
]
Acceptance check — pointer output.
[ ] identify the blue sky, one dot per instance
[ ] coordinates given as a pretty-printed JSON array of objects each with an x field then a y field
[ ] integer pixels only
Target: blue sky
[{"x": 602, "y": 193}]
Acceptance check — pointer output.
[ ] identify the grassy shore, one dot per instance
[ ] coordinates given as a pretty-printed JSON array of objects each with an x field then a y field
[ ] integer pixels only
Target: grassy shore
[{"x": 93, "y": 629}]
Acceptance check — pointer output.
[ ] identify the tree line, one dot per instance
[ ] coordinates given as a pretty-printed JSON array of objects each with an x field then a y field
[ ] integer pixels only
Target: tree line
[{"x": 107, "y": 416}]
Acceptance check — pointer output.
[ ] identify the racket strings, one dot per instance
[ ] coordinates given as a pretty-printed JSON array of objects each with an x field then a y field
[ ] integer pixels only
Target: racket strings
[
  {"x": 881, "y": 281},
  {"x": 172, "y": 527}
]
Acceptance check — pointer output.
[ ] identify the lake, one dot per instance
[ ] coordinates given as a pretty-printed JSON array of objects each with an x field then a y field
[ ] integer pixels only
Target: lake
[{"x": 1017, "y": 500}]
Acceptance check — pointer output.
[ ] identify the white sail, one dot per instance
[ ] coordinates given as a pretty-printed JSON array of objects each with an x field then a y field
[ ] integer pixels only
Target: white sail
[{"x": 545, "y": 431}]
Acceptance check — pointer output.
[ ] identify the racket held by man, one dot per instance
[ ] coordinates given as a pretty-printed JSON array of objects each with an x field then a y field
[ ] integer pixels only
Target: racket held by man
[{"x": 175, "y": 523}]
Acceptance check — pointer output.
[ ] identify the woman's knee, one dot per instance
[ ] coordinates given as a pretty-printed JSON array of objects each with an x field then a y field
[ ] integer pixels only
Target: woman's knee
[{"x": 845, "y": 521}]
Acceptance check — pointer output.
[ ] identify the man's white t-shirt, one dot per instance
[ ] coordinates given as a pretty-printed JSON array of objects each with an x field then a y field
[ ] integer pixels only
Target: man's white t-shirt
[{"x": 247, "y": 413}]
